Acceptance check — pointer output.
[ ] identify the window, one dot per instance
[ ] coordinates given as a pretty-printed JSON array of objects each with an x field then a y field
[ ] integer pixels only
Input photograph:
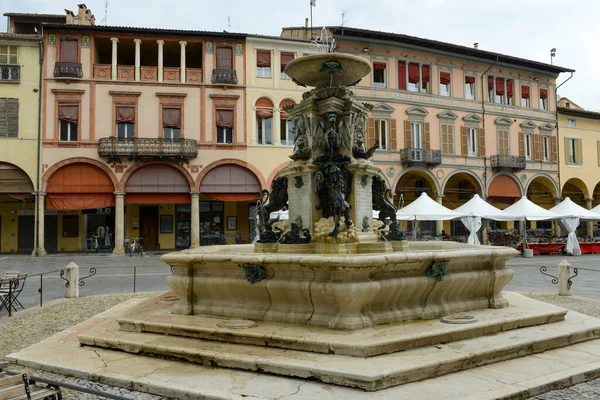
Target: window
[
  {"x": 470, "y": 87},
  {"x": 8, "y": 55},
  {"x": 68, "y": 116},
  {"x": 448, "y": 139},
  {"x": 9, "y": 118},
  {"x": 263, "y": 64},
  {"x": 544, "y": 99},
  {"x": 379, "y": 74},
  {"x": 70, "y": 226},
  {"x": 503, "y": 148},
  {"x": 381, "y": 133},
  {"x": 286, "y": 127},
  {"x": 224, "y": 58},
  {"x": 418, "y": 78},
  {"x": 171, "y": 122},
  {"x": 524, "y": 96},
  {"x": 264, "y": 121},
  {"x": 572, "y": 122},
  {"x": 125, "y": 119},
  {"x": 545, "y": 148},
  {"x": 527, "y": 146},
  {"x": 286, "y": 58},
  {"x": 574, "y": 154},
  {"x": 416, "y": 132},
  {"x": 69, "y": 50},
  {"x": 472, "y": 141},
  {"x": 225, "y": 122},
  {"x": 500, "y": 90},
  {"x": 444, "y": 83}
]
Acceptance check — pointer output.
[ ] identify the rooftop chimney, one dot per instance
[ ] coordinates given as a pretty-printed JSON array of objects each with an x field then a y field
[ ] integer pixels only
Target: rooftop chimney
[
  {"x": 476, "y": 45},
  {"x": 306, "y": 23}
]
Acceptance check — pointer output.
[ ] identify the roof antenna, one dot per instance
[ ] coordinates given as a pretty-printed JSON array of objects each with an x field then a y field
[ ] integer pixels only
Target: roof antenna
[
  {"x": 344, "y": 20},
  {"x": 229, "y": 26},
  {"x": 105, "y": 20}
]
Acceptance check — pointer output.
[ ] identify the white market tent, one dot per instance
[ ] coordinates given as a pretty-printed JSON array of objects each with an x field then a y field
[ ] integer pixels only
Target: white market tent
[
  {"x": 425, "y": 209},
  {"x": 526, "y": 210},
  {"x": 570, "y": 214},
  {"x": 474, "y": 210}
]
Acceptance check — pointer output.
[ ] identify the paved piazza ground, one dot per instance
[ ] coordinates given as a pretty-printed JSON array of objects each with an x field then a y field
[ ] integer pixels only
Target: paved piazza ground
[{"x": 114, "y": 277}]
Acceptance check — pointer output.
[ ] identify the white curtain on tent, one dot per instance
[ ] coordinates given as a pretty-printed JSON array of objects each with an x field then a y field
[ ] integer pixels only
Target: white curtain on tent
[
  {"x": 473, "y": 224},
  {"x": 572, "y": 247}
]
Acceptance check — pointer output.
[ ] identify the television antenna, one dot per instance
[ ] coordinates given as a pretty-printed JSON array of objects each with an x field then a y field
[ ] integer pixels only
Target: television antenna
[
  {"x": 344, "y": 20},
  {"x": 105, "y": 20},
  {"x": 229, "y": 26}
]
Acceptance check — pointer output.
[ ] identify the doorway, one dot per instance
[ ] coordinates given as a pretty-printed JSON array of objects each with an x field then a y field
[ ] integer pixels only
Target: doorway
[
  {"x": 25, "y": 236},
  {"x": 149, "y": 227},
  {"x": 51, "y": 233}
]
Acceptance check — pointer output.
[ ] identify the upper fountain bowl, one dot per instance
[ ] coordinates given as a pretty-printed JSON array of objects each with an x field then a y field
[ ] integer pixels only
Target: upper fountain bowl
[{"x": 328, "y": 70}]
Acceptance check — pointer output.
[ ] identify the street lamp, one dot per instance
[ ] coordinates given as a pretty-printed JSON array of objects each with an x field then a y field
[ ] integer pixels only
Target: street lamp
[{"x": 552, "y": 55}]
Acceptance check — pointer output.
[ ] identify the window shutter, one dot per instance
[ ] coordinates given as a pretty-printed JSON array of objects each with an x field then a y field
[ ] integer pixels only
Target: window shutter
[
  {"x": 481, "y": 139},
  {"x": 598, "y": 151},
  {"x": 426, "y": 135},
  {"x": 567, "y": 151},
  {"x": 444, "y": 139},
  {"x": 3, "y": 118},
  {"x": 407, "y": 135},
  {"x": 12, "y": 113},
  {"x": 521, "y": 144},
  {"x": 393, "y": 143},
  {"x": 370, "y": 132},
  {"x": 554, "y": 150},
  {"x": 537, "y": 151},
  {"x": 464, "y": 141},
  {"x": 450, "y": 139},
  {"x": 578, "y": 146}
]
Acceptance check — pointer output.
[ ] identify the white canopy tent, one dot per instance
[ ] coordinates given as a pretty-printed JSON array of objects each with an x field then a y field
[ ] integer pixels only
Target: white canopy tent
[
  {"x": 425, "y": 209},
  {"x": 474, "y": 210},
  {"x": 570, "y": 214},
  {"x": 526, "y": 210}
]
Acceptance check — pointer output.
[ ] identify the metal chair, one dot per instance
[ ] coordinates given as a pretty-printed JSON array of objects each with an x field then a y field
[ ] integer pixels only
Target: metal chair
[{"x": 11, "y": 288}]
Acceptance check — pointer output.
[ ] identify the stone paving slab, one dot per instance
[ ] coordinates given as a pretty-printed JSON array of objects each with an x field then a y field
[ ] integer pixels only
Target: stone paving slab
[{"x": 519, "y": 378}]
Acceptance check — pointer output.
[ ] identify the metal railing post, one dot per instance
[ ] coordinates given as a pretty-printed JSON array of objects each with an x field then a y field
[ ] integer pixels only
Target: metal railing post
[
  {"x": 10, "y": 285},
  {"x": 41, "y": 289},
  {"x": 134, "y": 276}
]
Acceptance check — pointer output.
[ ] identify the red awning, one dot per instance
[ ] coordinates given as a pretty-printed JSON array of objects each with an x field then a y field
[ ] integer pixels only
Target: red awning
[
  {"x": 158, "y": 198},
  {"x": 79, "y": 201},
  {"x": 444, "y": 78},
  {"x": 525, "y": 92},
  {"x": 402, "y": 75},
  {"x": 504, "y": 186},
  {"x": 233, "y": 197}
]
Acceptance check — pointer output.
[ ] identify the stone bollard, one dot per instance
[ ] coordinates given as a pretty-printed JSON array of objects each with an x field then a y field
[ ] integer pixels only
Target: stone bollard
[
  {"x": 564, "y": 273},
  {"x": 528, "y": 253},
  {"x": 72, "y": 274}
]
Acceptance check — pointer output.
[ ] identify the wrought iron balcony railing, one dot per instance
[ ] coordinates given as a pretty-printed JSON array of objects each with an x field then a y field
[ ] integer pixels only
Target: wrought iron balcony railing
[
  {"x": 411, "y": 156},
  {"x": 513, "y": 163},
  {"x": 10, "y": 73},
  {"x": 68, "y": 70},
  {"x": 227, "y": 76},
  {"x": 139, "y": 148}
]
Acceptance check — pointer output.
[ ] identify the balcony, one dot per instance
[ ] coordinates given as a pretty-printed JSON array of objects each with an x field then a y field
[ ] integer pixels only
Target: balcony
[
  {"x": 143, "y": 148},
  {"x": 226, "y": 76},
  {"x": 148, "y": 73},
  {"x": 68, "y": 70},
  {"x": 10, "y": 73},
  {"x": 424, "y": 157},
  {"x": 505, "y": 162}
]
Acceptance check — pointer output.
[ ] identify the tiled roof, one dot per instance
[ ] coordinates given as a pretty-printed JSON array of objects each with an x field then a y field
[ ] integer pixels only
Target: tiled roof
[
  {"x": 133, "y": 29},
  {"x": 21, "y": 36},
  {"x": 441, "y": 46},
  {"x": 580, "y": 113},
  {"x": 15, "y": 14}
]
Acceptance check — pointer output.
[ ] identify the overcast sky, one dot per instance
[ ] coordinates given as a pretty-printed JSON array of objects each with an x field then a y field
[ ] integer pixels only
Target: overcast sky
[{"x": 522, "y": 28}]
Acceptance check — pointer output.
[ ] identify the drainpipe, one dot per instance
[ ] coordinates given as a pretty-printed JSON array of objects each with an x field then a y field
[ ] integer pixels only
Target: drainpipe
[
  {"x": 39, "y": 149},
  {"x": 557, "y": 136},
  {"x": 483, "y": 118}
]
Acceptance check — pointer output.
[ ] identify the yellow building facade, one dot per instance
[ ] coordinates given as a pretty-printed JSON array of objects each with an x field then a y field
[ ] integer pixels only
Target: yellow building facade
[{"x": 19, "y": 123}]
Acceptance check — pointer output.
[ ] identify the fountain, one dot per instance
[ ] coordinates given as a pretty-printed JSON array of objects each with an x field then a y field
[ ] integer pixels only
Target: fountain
[{"x": 332, "y": 295}]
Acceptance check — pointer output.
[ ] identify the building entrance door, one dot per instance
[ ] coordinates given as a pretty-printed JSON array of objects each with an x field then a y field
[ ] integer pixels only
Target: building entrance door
[
  {"x": 25, "y": 236},
  {"x": 51, "y": 233},
  {"x": 149, "y": 227}
]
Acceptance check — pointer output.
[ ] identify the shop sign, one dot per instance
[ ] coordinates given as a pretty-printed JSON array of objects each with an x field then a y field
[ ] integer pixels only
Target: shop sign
[
  {"x": 32, "y": 212},
  {"x": 100, "y": 211}
]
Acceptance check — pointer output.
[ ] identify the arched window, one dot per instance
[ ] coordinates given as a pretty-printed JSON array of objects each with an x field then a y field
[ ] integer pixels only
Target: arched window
[
  {"x": 286, "y": 131},
  {"x": 264, "y": 121}
]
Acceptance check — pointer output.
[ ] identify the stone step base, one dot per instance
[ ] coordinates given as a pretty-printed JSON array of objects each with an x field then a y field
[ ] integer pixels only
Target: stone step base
[
  {"x": 154, "y": 316},
  {"x": 519, "y": 378},
  {"x": 371, "y": 373}
]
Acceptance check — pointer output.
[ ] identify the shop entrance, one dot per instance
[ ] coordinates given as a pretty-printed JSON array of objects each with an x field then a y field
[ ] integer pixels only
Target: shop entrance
[
  {"x": 148, "y": 227},
  {"x": 51, "y": 233},
  {"x": 99, "y": 222},
  {"x": 26, "y": 233},
  {"x": 183, "y": 218}
]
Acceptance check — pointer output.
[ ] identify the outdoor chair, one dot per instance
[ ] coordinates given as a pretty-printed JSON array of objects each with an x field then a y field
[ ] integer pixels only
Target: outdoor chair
[{"x": 10, "y": 289}]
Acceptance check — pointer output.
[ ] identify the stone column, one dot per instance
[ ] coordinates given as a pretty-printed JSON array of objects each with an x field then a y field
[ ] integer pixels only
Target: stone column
[
  {"x": 113, "y": 73},
  {"x": 276, "y": 131},
  {"x": 182, "y": 64},
  {"x": 589, "y": 225},
  {"x": 160, "y": 59},
  {"x": 557, "y": 229},
  {"x": 138, "y": 42},
  {"x": 439, "y": 225},
  {"x": 119, "y": 223},
  {"x": 195, "y": 220},
  {"x": 41, "y": 210}
]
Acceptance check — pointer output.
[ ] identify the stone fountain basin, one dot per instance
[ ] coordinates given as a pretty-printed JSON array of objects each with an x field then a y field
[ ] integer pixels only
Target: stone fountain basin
[
  {"x": 338, "y": 291},
  {"x": 308, "y": 70}
]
